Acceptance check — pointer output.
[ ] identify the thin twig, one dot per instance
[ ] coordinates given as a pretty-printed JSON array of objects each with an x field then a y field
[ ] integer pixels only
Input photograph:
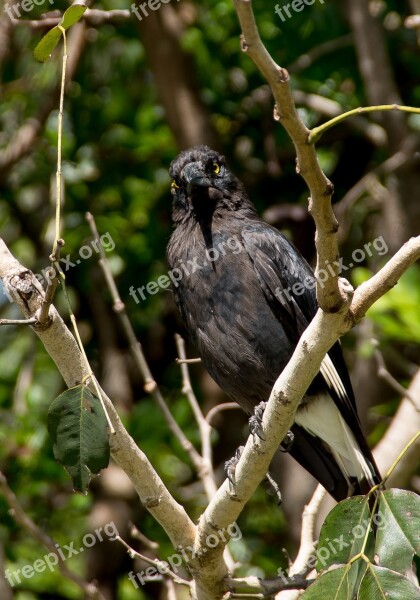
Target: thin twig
[
  {"x": 307, "y": 538},
  {"x": 317, "y": 132},
  {"x": 188, "y": 361},
  {"x": 330, "y": 108},
  {"x": 150, "y": 385},
  {"x": 207, "y": 473},
  {"x": 308, "y": 58},
  {"x": 384, "y": 374},
  {"x": 219, "y": 408},
  {"x": 30, "y": 321},
  {"x": 92, "y": 16},
  {"x": 390, "y": 165},
  {"x": 160, "y": 565},
  {"x": 90, "y": 589},
  {"x": 52, "y": 283},
  {"x": 242, "y": 587},
  {"x": 136, "y": 534}
]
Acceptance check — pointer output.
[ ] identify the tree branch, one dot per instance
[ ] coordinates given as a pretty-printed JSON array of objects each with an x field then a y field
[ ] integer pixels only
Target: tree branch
[
  {"x": 24, "y": 289},
  {"x": 321, "y": 189}
]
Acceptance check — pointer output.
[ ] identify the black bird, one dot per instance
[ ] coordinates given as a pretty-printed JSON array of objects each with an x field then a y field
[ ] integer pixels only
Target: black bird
[{"x": 245, "y": 295}]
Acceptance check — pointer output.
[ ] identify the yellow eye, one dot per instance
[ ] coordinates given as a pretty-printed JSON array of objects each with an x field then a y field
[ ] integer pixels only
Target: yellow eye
[
  {"x": 174, "y": 185},
  {"x": 216, "y": 168}
]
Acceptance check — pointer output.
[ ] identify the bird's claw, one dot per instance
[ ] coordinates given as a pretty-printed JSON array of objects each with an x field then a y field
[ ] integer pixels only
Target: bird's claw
[
  {"x": 230, "y": 467},
  {"x": 255, "y": 422},
  {"x": 287, "y": 442},
  {"x": 273, "y": 489}
]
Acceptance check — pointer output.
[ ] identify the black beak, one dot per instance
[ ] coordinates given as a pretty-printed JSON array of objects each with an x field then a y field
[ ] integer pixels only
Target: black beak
[{"x": 194, "y": 176}]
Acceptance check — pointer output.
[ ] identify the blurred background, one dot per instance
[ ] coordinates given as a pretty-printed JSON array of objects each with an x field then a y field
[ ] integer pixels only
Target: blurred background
[{"x": 138, "y": 92}]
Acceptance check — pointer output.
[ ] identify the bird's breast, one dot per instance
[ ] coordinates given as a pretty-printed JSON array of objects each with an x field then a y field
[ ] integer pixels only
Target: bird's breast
[{"x": 240, "y": 341}]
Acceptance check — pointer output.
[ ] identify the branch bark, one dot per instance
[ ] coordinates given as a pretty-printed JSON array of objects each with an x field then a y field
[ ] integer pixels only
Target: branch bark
[{"x": 321, "y": 189}]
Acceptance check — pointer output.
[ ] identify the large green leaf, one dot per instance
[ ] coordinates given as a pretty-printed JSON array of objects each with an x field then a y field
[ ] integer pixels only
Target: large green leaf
[
  {"x": 50, "y": 40},
  {"x": 343, "y": 532},
  {"x": 78, "y": 428},
  {"x": 399, "y": 537},
  {"x": 338, "y": 584},
  {"x": 382, "y": 584}
]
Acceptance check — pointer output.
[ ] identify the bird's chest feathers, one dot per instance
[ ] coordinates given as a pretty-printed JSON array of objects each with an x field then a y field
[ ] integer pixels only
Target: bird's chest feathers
[{"x": 210, "y": 267}]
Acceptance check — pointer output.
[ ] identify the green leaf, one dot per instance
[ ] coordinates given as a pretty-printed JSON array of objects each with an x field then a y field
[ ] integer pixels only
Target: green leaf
[
  {"x": 382, "y": 584},
  {"x": 72, "y": 15},
  {"x": 47, "y": 44},
  {"x": 343, "y": 532},
  {"x": 50, "y": 40},
  {"x": 338, "y": 584},
  {"x": 398, "y": 536},
  {"x": 78, "y": 428}
]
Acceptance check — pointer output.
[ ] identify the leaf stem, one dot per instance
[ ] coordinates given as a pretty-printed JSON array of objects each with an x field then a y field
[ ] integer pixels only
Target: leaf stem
[
  {"x": 317, "y": 132},
  {"x": 400, "y": 456}
]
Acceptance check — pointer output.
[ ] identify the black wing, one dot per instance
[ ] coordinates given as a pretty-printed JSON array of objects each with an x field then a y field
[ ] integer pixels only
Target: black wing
[{"x": 289, "y": 287}]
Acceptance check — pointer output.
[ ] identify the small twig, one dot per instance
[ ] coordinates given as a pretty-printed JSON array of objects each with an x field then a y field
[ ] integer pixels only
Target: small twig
[
  {"x": 207, "y": 473},
  {"x": 400, "y": 456},
  {"x": 90, "y": 589},
  {"x": 330, "y": 108},
  {"x": 30, "y": 321},
  {"x": 52, "y": 283},
  {"x": 307, "y": 541},
  {"x": 58, "y": 242},
  {"x": 170, "y": 589},
  {"x": 317, "y": 132},
  {"x": 136, "y": 534},
  {"x": 92, "y": 16},
  {"x": 187, "y": 361},
  {"x": 150, "y": 385},
  {"x": 308, "y": 58},
  {"x": 384, "y": 374},
  {"x": 242, "y": 587},
  {"x": 219, "y": 408},
  {"x": 390, "y": 165},
  {"x": 186, "y": 380},
  {"x": 160, "y": 565}
]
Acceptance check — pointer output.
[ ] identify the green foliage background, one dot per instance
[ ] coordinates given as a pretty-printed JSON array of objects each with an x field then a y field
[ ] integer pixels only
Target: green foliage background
[{"x": 117, "y": 147}]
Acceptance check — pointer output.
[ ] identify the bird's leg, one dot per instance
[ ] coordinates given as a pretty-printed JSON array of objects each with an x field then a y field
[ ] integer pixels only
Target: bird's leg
[
  {"x": 255, "y": 421},
  {"x": 230, "y": 467},
  {"x": 287, "y": 442},
  {"x": 255, "y": 428},
  {"x": 273, "y": 488}
]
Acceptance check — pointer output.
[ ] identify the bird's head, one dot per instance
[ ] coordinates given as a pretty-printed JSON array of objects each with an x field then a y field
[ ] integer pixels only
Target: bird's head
[{"x": 202, "y": 185}]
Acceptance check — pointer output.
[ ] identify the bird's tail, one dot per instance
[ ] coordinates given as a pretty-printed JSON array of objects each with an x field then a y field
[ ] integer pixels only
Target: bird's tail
[{"x": 329, "y": 449}]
